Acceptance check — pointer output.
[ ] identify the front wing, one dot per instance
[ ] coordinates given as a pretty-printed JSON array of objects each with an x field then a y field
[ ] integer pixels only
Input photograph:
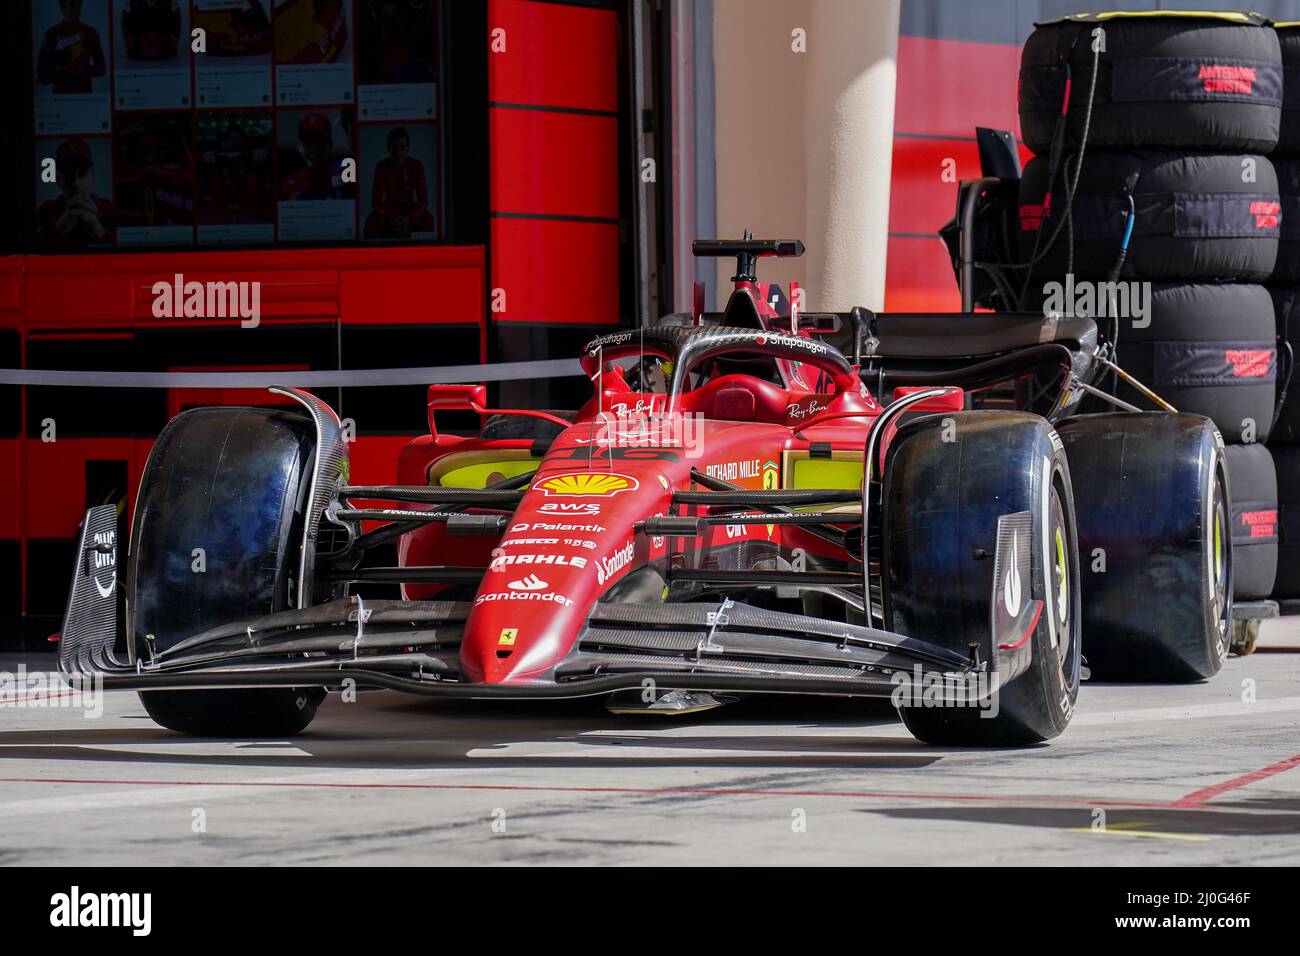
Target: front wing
[{"x": 414, "y": 646}]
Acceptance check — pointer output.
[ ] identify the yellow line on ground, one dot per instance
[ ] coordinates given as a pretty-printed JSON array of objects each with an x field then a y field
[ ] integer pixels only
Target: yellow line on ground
[{"x": 1131, "y": 829}]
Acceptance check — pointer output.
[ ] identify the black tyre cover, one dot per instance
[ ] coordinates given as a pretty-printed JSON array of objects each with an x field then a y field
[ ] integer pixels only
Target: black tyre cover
[
  {"x": 1286, "y": 461},
  {"x": 1198, "y": 216},
  {"x": 1253, "y": 485},
  {"x": 1209, "y": 350},
  {"x": 1288, "y": 140},
  {"x": 1199, "y": 81},
  {"x": 1287, "y": 268}
]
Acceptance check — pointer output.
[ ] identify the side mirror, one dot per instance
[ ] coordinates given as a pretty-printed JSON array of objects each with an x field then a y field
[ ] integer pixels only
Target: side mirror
[{"x": 471, "y": 398}]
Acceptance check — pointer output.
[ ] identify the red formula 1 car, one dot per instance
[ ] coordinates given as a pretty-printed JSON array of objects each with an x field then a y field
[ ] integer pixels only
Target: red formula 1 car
[{"x": 734, "y": 511}]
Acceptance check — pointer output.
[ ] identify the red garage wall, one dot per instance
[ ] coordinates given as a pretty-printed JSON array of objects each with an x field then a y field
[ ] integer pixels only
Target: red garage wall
[
  {"x": 391, "y": 307},
  {"x": 946, "y": 88},
  {"x": 553, "y": 247},
  {"x": 554, "y": 165}
]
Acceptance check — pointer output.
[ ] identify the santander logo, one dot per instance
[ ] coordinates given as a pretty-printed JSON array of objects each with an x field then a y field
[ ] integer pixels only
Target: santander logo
[{"x": 606, "y": 568}]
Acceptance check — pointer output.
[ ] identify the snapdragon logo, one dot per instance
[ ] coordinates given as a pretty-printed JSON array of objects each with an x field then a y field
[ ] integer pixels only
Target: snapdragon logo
[
  {"x": 208, "y": 300},
  {"x": 76, "y": 909}
]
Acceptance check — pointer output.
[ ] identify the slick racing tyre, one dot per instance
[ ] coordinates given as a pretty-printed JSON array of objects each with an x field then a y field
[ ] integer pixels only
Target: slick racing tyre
[
  {"x": 1206, "y": 349},
  {"x": 1196, "y": 81},
  {"x": 1152, "y": 491},
  {"x": 1196, "y": 217},
  {"x": 1254, "y": 520},
  {"x": 951, "y": 483},
  {"x": 217, "y": 533},
  {"x": 1286, "y": 461},
  {"x": 1288, "y": 140}
]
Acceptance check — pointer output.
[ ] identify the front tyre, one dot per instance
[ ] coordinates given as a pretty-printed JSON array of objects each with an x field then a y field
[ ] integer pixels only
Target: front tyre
[
  {"x": 252, "y": 712},
  {"x": 946, "y": 487},
  {"x": 217, "y": 537}
]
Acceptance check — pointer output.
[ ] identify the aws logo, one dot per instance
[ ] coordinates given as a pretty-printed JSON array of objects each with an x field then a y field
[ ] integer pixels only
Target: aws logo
[{"x": 586, "y": 484}]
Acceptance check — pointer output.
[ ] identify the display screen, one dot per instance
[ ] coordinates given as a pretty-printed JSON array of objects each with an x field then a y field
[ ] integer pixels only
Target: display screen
[{"x": 181, "y": 123}]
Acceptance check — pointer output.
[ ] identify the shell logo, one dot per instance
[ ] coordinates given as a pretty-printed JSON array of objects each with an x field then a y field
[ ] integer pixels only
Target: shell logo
[{"x": 584, "y": 484}]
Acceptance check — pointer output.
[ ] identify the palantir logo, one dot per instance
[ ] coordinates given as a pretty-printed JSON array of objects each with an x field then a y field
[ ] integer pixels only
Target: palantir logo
[{"x": 76, "y": 909}]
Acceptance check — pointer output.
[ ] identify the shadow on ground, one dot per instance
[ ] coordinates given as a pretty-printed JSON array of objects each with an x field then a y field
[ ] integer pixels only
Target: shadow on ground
[{"x": 389, "y": 730}]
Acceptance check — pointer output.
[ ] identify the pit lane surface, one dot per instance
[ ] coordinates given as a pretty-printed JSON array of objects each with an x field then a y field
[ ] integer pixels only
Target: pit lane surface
[{"x": 1181, "y": 775}]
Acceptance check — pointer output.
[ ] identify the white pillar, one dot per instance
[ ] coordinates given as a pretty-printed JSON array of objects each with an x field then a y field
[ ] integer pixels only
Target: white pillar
[
  {"x": 804, "y": 139},
  {"x": 848, "y": 148}
]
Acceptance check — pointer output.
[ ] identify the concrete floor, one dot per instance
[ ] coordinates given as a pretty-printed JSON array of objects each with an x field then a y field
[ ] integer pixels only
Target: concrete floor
[{"x": 1184, "y": 775}]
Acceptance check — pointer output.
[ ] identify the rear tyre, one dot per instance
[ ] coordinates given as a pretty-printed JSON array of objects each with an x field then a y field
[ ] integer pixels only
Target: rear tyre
[
  {"x": 1152, "y": 493},
  {"x": 942, "y": 501},
  {"x": 229, "y": 486}
]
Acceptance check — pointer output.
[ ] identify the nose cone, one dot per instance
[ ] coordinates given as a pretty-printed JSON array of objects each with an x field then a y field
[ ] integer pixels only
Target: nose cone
[
  {"x": 571, "y": 538},
  {"x": 520, "y": 634}
]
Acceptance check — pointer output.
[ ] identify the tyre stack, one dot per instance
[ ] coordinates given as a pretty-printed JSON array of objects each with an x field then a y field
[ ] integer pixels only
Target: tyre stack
[
  {"x": 1163, "y": 159},
  {"x": 1284, "y": 441}
]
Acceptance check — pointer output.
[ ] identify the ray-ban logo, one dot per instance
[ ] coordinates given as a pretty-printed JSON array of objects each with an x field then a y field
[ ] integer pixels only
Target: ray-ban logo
[{"x": 77, "y": 909}]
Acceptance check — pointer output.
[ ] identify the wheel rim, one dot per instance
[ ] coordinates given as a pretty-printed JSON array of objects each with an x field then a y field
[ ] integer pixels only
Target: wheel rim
[
  {"x": 1062, "y": 569},
  {"x": 1219, "y": 559},
  {"x": 1060, "y": 583}
]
